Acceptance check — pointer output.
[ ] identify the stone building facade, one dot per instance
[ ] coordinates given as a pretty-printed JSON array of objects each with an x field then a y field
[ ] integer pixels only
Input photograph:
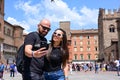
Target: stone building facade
[
  {"x": 108, "y": 34},
  {"x": 11, "y": 37}
]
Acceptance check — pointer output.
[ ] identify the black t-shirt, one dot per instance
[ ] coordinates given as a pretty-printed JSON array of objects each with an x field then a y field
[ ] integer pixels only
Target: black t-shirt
[
  {"x": 54, "y": 62},
  {"x": 33, "y": 64}
]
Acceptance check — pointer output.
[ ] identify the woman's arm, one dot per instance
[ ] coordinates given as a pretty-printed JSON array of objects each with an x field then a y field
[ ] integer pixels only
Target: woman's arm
[{"x": 66, "y": 69}]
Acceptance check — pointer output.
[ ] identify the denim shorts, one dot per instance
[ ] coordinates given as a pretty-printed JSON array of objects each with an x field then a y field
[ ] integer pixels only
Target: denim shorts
[{"x": 55, "y": 75}]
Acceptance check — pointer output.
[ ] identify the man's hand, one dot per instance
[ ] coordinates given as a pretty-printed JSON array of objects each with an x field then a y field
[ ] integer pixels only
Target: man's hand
[{"x": 40, "y": 52}]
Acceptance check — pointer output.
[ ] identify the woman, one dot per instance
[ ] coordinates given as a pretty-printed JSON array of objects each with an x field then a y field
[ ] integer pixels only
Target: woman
[{"x": 56, "y": 61}]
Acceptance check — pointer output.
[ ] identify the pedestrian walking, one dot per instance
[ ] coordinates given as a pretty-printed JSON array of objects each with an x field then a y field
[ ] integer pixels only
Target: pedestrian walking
[
  {"x": 7, "y": 67},
  {"x": 117, "y": 62},
  {"x": 12, "y": 70},
  {"x": 96, "y": 67}
]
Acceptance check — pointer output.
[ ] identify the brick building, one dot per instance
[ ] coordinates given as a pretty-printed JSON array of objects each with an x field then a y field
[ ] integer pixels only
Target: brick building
[{"x": 83, "y": 44}]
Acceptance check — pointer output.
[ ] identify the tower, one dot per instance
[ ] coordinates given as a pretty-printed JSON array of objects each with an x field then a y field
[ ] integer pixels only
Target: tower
[
  {"x": 1, "y": 19},
  {"x": 107, "y": 28},
  {"x": 65, "y": 25},
  {"x": 1, "y": 26}
]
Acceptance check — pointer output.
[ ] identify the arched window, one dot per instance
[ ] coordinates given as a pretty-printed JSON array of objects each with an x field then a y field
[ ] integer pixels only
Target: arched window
[
  {"x": 111, "y": 28},
  {"x": 8, "y": 32}
]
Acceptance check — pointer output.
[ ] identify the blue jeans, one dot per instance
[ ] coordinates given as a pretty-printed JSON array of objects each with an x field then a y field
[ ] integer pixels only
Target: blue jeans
[
  {"x": 12, "y": 73},
  {"x": 55, "y": 75}
]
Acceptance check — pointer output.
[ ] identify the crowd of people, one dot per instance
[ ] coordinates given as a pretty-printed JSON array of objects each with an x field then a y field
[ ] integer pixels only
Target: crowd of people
[
  {"x": 96, "y": 66},
  {"x": 11, "y": 68},
  {"x": 7, "y": 68}
]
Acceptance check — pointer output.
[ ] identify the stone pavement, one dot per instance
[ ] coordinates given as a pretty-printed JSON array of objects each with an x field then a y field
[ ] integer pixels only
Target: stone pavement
[
  {"x": 90, "y": 75},
  {"x": 6, "y": 76}
]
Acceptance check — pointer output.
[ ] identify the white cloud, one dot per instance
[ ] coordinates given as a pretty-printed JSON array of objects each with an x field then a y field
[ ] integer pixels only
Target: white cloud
[
  {"x": 55, "y": 11},
  {"x": 59, "y": 11},
  {"x": 28, "y": 8},
  {"x": 15, "y": 22},
  {"x": 89, "y": 15}
]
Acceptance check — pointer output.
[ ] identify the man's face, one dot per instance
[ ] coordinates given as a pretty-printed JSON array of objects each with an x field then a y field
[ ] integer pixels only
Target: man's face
[{"x": 44, "y": 28}]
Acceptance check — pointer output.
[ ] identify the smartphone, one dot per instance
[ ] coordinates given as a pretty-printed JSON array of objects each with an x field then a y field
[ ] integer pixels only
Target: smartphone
[{"x": 44, "y": 44}]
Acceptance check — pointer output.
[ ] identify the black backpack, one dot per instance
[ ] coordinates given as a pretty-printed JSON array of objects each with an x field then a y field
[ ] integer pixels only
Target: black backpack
[
  {"x": 19, "y": 59},
  {"x": 20, "y": 55}
]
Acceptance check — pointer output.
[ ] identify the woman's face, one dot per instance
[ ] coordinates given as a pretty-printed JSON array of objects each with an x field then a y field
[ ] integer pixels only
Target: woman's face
[{"x": 57, "y": 36}]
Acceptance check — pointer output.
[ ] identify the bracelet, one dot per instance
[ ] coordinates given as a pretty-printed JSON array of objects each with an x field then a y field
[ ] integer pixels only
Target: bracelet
[
  {"x": 32, "y": 53},
  {"x": 66, "y": 77}
]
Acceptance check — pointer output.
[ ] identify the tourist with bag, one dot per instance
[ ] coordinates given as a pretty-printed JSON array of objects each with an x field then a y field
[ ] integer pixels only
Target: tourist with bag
[{"x": 35, "y": 52}]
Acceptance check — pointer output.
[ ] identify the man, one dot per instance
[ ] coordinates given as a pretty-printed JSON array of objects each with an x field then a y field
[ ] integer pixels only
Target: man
[
  {"x": 1, "y": 70},
  {"x": 117, "y": 66},
  {"x": 33, "y": 60},
  {"x": 12, "y": 69}
]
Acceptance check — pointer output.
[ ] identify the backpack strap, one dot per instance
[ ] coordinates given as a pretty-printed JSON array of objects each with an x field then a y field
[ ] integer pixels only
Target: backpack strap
[
  {"x": 40, "y": 41},
  {"x": 37, "y": 37}
]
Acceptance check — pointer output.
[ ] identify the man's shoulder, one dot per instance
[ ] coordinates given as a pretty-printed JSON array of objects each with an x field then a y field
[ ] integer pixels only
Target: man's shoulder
[
  {"x": 35, "y": 36},
  {"x": 32, "y": 33}
]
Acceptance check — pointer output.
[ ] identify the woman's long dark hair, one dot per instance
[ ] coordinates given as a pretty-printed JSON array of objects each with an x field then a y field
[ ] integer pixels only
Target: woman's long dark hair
[{"x": 63, "y": 46}]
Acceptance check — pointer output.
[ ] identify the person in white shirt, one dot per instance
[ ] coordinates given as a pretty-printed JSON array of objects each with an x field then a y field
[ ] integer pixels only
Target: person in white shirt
[{"x": 117, "y": 62}]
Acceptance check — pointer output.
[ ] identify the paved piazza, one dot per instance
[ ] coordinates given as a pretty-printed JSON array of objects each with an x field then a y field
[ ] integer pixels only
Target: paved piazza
[{"x": 90, "y": 75}]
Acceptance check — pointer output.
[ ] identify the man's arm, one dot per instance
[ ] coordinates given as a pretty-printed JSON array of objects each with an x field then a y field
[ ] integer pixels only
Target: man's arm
[{"x": 38, "y": 53}]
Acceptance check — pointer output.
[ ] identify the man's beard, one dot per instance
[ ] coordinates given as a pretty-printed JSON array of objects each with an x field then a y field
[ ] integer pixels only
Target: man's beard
[{"x": 43, "y": 35}]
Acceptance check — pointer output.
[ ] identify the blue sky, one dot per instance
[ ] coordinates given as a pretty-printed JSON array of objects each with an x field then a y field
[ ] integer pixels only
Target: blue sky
[{"x": 82, "y": 14}]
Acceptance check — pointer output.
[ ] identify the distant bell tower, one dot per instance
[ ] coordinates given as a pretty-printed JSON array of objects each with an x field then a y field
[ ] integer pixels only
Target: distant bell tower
[{"x": 66, "y": 26}]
